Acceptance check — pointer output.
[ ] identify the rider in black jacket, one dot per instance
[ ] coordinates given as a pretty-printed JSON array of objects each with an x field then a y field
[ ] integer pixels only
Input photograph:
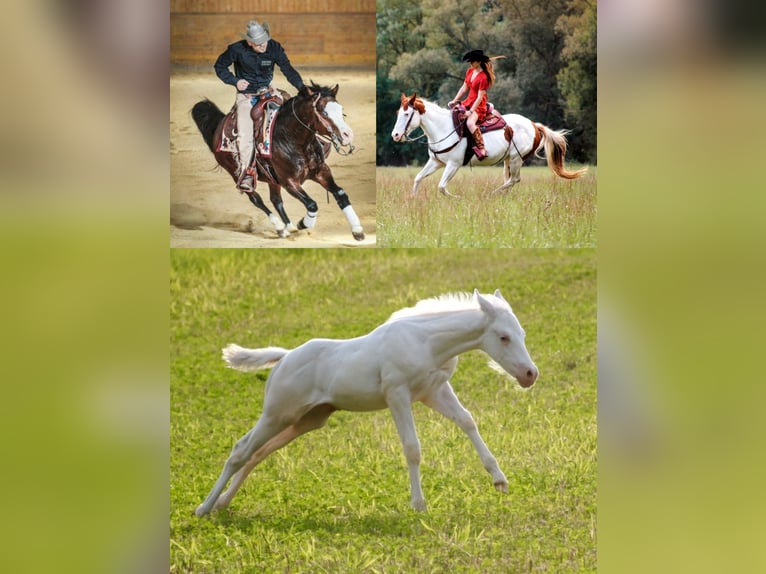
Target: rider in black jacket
[{"x": 254, "y": 58}]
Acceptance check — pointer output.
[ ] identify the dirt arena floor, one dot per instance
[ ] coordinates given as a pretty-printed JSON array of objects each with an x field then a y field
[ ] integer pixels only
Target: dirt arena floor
[{"x": 206, "y": 209}]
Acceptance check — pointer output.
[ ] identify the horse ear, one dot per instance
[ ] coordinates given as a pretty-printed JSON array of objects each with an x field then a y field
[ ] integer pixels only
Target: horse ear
[
  {"x": 334, "y": 91},
  {"x": 499, "y": 295},
  {"x": 413, "y": 98},
  {"x": 484, "y": 304}
]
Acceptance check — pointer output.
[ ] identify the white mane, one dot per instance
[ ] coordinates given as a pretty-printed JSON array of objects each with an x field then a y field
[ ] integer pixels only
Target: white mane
[
  {"x": 434, "y": 106},
  {"x": 440, "y": 304}
]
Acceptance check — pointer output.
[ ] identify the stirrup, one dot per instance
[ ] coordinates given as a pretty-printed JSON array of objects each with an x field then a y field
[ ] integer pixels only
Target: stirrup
[
  {"x": 247, "y": 182},
  {"x": 480, "y": 152}
]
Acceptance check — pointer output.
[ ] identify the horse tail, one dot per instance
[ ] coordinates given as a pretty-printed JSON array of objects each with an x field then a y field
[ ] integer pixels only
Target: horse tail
[
  {"x": 207, "y": 116},
  {"x": 252, "y": 359},
  {"x": 555, "y": 144}
]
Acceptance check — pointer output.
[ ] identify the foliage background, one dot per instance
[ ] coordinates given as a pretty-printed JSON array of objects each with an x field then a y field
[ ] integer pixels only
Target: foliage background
[{"x": 548, "y": 73}]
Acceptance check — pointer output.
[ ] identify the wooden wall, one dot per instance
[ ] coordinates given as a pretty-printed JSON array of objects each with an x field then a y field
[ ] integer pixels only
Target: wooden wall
[{"x": 319, "y": 33}]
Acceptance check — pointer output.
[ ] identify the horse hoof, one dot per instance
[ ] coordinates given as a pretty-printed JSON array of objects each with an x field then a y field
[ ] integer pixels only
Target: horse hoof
[
  {"x": 283, "y": 233},
  {"x": 358, "y": 235}
]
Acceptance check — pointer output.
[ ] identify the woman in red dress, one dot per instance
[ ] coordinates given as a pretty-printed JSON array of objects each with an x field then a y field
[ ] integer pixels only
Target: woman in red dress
[{"x": 478, "y": 79}]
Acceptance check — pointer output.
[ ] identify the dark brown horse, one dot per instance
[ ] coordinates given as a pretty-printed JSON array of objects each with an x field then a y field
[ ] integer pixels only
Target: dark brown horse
[{"x": 297, "y": 154}]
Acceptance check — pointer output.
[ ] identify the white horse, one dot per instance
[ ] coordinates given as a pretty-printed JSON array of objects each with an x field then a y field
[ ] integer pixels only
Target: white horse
[
  {"x": 411, "y": 357},
  {"x": 447, "y": 149}
]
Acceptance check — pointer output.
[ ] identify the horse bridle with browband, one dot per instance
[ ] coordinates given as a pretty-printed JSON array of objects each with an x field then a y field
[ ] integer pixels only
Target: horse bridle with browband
[
  {"x": 332, "y": 138},
  {"x": 417, "y": 139}
]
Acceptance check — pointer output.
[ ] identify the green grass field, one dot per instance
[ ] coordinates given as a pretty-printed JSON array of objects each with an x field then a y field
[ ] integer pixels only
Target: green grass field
[
  {"x": 337, "y": 500},
  {"x": 542, "y": 210}
]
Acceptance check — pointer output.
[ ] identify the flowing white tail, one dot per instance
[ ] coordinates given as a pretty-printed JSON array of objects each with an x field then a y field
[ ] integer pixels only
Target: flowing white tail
[{"x": 252, "y": 359}]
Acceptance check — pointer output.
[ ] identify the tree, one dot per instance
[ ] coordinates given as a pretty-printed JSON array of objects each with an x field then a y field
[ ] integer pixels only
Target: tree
[
  {"x": 396, "y": 20},
  {"x": 577, "y": 76}
]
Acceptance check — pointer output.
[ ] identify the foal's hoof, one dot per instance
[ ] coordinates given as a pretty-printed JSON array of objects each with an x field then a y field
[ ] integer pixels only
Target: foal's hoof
[{"x": 358, "y": 235}]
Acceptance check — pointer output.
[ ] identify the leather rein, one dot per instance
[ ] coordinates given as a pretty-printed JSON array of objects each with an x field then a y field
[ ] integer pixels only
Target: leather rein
[
  {"x": 417, "y": 139},
  {"x": 332, "y": 138}
]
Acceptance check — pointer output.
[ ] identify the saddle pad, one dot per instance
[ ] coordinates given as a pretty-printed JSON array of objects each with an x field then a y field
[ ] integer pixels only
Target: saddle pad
[
  {"x": 492, "y": 123},
  {"x": 228, "y": 141},
  {"x": 264, "y": 148}
]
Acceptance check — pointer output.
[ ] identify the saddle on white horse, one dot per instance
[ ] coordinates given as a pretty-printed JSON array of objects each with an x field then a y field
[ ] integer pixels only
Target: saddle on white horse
[{"x": 492, "y": 121}]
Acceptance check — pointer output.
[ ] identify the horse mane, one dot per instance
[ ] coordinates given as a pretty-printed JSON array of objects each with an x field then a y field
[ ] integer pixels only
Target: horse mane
[
  {"x": 423, "y": 103},
  {"x": 324, "y": 91},
  {"x": 440, "y": 304}
]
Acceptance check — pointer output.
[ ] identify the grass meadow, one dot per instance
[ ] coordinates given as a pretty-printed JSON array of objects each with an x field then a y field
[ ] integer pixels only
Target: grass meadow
[
  {"x": 337, "y": 500},
  {"x": 542, "y": 210}
]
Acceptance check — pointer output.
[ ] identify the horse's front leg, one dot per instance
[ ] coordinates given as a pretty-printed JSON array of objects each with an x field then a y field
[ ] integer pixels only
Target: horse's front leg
[
  {"x": 293, "y": 187},
  {"x": 275, "y": 194},
  {"x": 431, "y": 166},
  {"x": 400, "y": 403},
  {"x": 445, "y": 401},
  {"x": 324, "y": 178},
  {"x": 449, "y": 172},
  {"x": 256, "y": 200}
]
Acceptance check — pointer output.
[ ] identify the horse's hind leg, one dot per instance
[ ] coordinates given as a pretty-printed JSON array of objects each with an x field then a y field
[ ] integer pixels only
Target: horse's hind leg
[
  {"x": 312, "y": 420},
  {"x": 511, "y": 172},
  {"x": 265, "y": 429},
  {"x": 256, "y": 200},
  {"x": 275, "y": 194},
  {"x": 445, "y": 401}
]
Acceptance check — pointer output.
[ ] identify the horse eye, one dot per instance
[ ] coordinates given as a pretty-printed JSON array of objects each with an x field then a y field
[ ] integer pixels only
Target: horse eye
[{"x": 505, "y": 338}]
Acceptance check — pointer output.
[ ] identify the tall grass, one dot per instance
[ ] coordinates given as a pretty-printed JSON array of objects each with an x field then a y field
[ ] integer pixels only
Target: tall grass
[
  {"x": 337, "y": 500},
  {"x": 541, "y": 211}
]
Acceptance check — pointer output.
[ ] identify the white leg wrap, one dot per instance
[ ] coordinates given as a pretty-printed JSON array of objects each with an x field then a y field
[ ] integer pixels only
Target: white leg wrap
[
  {"x": 353, "y": 220},
  {"x": 276, "y": 222},
  {"x": 310, "y": 219}
]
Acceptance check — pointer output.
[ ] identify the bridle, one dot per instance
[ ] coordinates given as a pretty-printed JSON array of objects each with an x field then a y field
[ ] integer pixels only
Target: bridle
[
  {"x": 420, "y": 137},
  {"x": 332, "y": 138}
]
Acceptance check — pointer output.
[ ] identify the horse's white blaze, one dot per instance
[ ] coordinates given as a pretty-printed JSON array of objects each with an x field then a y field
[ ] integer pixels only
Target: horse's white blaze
[
  {"x": 335, "y": 113},
  {"x": 405, "y": 123},
  {"x": 410, "y": 357}
]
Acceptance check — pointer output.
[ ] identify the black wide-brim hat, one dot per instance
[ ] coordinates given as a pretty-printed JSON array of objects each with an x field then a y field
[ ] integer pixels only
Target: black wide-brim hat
[{"x": 475, "y": 56}]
